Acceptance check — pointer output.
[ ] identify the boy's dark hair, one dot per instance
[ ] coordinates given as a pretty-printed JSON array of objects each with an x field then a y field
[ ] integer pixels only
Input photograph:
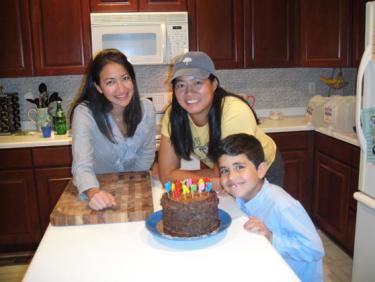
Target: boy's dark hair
[{"x": 241, "y": 143}]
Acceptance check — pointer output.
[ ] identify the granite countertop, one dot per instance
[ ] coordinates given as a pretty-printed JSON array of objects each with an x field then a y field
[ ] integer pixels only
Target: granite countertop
[{"x": 284, "y": 124}]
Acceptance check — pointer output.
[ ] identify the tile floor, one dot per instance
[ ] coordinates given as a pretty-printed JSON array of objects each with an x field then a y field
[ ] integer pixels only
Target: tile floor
[{"x": 337, "y": 265}]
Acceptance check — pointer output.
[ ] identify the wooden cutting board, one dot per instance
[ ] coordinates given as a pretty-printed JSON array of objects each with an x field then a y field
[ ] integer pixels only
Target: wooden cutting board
[{"x": 132, "y": 191}]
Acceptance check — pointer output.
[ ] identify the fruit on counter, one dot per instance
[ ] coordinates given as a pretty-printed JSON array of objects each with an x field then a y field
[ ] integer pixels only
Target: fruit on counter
[{"x": 336, "y": 83}]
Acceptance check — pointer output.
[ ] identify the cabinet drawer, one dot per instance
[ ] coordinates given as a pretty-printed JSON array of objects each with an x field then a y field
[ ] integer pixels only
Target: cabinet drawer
[
  {"x": 335, "y": 148},
  {"x": 52, "y": 156},
  {"x": 291, "y": 140},
  {"x": 15, "y": 158}
]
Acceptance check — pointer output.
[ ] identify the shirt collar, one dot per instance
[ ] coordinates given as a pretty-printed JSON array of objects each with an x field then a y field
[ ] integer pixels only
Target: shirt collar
[{"x": 249, "y": 206}]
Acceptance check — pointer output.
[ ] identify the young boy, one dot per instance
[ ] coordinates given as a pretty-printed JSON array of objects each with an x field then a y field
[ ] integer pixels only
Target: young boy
[{"x": 272, "y": 212}]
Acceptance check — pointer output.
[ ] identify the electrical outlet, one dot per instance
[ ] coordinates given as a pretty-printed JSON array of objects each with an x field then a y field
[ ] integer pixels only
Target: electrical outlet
[
  {"x": 311, "y": 87},
  {"x": 160, "y": 100}
]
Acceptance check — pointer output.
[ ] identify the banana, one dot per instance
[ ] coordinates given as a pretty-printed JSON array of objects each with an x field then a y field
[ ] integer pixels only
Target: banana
[{"x": 336, "y": 83}]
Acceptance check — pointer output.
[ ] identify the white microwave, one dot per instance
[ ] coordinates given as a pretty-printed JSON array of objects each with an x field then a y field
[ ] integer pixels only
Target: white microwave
[{"x": 146, "y": 38}]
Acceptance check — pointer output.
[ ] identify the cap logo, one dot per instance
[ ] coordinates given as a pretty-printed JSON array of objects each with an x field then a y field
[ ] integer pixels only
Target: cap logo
[{"x": 187, "y": 60}]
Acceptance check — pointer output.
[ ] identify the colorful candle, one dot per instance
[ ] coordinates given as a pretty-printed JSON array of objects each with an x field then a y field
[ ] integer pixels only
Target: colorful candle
[
  {"x": 208, "y": 187},
  {"x": 168, "y": 186}
]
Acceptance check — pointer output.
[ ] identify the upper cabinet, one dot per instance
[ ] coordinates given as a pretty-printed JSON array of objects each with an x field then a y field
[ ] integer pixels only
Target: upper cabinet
[
  {"x": 217, "y": 29},
  {"x": 245, "y": 33},
  {"x": 44, "y": 37},
  {"x": 358, "y": 18},
  {"x": 15, "y": 47},
  {"x": 61, "y": 36},
  {"x": 324, "y": 33},
  {"x": 137, "y": 5},
  {"x": 269, "y": 33}
]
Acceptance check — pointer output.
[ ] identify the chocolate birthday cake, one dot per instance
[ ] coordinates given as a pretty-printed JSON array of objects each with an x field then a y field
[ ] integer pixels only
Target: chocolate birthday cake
[{"x": 190, "y": 213}]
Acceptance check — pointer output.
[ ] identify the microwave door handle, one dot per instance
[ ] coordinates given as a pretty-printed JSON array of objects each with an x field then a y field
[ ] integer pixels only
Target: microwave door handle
[{"x": 163, "y": 43}]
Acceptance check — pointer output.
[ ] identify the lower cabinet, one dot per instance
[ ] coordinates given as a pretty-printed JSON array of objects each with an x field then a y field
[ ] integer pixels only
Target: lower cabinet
[
  {"x": 31, "y": 182},
  {"x": 19, "y": 218},
  {"x": 296, "y": 149},
  {"x": 50, "y": 183},
  {"x": 336, "y": 179}
]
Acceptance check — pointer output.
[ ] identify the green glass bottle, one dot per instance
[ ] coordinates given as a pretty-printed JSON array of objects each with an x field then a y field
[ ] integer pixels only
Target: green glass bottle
[{"x": 60, "y": 120}]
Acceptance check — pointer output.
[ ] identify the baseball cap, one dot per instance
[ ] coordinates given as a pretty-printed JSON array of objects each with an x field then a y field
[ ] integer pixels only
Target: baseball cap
[{"x": 197, "y": 64}]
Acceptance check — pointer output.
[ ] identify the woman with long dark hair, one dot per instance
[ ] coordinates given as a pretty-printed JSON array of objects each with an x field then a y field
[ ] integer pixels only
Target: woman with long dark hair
[
  {"x": 113, "y": 130},
  {"x": 201, "y": 114}
]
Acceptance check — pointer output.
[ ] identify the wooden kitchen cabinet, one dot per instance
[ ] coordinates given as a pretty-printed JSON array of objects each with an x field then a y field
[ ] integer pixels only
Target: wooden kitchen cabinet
[
  {"x": 61, "y": 36},
  {"x": 325, "y": 33},
  {"x": 137, "y": 5},
  {"x": 44, "y": 37},
  {"x": 296, "y": 149},
  {"x": 220, "y": 34},
  {"x": 52, "y": 174},
  {"x": 270, "y": 33},
  {"x": 358, "y": 23},
  {"x": 15, "y": 47},
  {"x": 31, "y": 182},
  {"x": 336, "y": 179},
  {"x": 19, "y": 219}
]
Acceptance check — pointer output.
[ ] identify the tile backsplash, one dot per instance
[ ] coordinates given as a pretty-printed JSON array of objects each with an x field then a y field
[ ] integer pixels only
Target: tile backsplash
[{"x": 272, "y": 88}]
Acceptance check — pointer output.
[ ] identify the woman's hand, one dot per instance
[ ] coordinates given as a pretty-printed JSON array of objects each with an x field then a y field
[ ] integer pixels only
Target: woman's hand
[
  {"x": 257, "y": 226},
  {"x": 99, "y": 199}
]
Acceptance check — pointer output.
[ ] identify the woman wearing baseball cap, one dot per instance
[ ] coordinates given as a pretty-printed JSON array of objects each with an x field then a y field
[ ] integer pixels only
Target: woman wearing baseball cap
[{"x": 201, "y": 114}]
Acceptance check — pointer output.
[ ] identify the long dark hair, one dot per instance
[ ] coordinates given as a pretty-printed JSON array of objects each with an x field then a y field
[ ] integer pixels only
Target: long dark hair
[
  {"x": 99, "y": 104},
  {"x": 181, "y": 136}
]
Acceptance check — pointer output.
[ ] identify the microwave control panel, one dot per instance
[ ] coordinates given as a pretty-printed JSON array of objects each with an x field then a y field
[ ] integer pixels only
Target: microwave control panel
[{"x": 177, "y": 39}]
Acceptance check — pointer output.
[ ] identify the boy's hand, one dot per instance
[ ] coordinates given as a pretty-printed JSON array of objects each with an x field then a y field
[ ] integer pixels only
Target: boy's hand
[{"x": 257, "y": 226}]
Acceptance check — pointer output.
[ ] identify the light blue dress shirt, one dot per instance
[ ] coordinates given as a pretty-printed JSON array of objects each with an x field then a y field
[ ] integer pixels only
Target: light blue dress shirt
[
  {"x": 294, "y": 234},
  {"x": 94, "y": 154}
]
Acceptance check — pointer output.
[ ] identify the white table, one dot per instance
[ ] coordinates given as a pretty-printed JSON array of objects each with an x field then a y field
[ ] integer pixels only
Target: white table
[{"x": 129, "y": 252}]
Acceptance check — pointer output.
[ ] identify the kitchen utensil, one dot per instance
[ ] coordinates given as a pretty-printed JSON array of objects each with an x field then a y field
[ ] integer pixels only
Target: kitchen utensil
[
  {"x": 34, "y": 101},
  {"x": 132, "y": 191},
  {"x": 54, "y": 97},
  {"x": 43, "y": 95}
]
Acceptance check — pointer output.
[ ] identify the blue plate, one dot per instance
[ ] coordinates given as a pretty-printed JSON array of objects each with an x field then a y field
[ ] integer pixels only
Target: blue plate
[{"x": 153, "y": 220}]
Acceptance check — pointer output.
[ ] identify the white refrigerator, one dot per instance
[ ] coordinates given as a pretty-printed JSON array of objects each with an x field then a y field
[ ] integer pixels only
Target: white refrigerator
[{"x": 364, "y": 246}]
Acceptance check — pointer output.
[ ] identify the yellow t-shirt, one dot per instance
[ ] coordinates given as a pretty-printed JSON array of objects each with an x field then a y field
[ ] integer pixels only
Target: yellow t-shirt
[{"x": 236, "y": 118}]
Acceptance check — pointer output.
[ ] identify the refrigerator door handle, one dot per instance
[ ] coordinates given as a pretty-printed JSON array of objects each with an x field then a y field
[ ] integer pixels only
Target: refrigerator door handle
[
  {"x": 364, "y": 199},
  {"x": 366, "y": 58}
]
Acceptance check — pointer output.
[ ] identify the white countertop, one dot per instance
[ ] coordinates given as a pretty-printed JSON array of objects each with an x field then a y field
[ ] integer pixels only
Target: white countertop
[
  {"x": 285, "y": 124},
  {"x": 129, "y": 252},
  {"x": 33, "y": 139}
]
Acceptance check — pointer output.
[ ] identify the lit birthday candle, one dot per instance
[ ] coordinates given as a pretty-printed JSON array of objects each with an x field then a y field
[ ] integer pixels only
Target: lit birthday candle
[
  {"x": 168, "y": 186},
  {"x": 185, "y": 190},
  {"x": 208, "y": 187},
  {"x": 201, "y": 185},
  {"x": 193, "y": 188},
  {"x": 177, "y": 191}
]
